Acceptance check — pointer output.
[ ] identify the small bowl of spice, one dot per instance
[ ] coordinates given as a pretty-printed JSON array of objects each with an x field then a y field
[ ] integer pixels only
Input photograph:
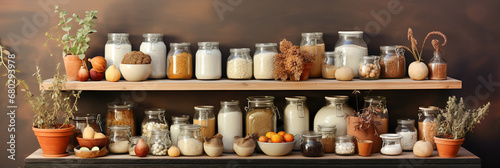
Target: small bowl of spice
[{"x": 136, "y": 66}]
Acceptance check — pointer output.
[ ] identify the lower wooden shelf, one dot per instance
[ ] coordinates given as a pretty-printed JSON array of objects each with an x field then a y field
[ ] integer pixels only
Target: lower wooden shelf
[{"x": 295, "y": 159}]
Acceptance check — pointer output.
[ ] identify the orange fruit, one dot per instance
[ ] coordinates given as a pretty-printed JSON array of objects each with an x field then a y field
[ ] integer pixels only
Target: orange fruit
[
  {"x": 277, "y": 138},
  {"x": 282, "y": 133},
  {"x": 263, "y": 139},
  {"x": 270, "y": 134},
  {"x": 288, "y": 138}
]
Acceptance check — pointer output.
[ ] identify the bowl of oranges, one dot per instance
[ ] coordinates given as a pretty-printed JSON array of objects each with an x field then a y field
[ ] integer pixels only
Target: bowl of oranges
[{"x": 276, "y": 144}]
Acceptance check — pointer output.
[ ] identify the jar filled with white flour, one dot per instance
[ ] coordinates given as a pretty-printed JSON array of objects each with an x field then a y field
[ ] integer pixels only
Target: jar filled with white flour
[
  {"x": 116, "y": 47},
  {"x": 263, "y": 60},
  {"x": 208, "y": 61},
  {"x": 154, "y": 46},
  {"x": 353, "y": 47}
]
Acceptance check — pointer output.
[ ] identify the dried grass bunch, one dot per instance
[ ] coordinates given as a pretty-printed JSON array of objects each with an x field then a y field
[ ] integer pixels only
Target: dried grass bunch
[
  {"x": 291, "y": 61},
  {"x": 414, "y": 50}
]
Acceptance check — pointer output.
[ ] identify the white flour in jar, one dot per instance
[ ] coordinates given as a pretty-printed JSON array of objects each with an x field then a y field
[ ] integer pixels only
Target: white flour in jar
[
  {"x": 264, "y": 65},
  {"x": 239, "y": 68},
  {"x": 190, "y": 147},
  {"x": 208, "y": 64},
  {"x": 409, "y": 139},
  {"x": 351, "y": 55}
]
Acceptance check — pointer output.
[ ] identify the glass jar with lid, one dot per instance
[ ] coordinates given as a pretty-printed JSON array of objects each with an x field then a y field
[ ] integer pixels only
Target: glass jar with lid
[
  {"x": 159, "y": 142},
  {"x": 119, "y": 136},
  {"x": 133, "y": 142},
  {"x": 261, "y": 115},
  {"x": 116, "y": 47},
  {"x": 391, "y": 144},
  {"x": 177, "y": 121},
  {"x": 333, "y": 114},
  {"x": 230, "y": 123},
  {"x": 154, "y": 118},
  {"x": 80, "y": 122},
  {"x": 154, "y": 46},
  {"x": 311, "y": 144},
  {"x": 369, "y": 67},
  {"x": 314, "y": 44},
  {"x": 378, "y": 105},
  {"x": 189, "y": 141},
  {"x": 263, "y": 60},
  {"x": 296, "y": 115},
  {"x": 328, "y": 137},
  {"x": 353, "y": 47},
  {"x": 204, "y": 117},
  {"x": 427, "y": 129},
  {"x": 121, "y": 113},
  {"x": 392, "y": 62},
  {"x": 179, "y": 61},
  {"x": 344, "y": 145},
  {"x": 406, "y": 128},
  {"x": 330, "y": 64},
  {"x": 208, "y": 61},
  {"x": 239, "y": 64},
  {"x": 438, "y": 67}
]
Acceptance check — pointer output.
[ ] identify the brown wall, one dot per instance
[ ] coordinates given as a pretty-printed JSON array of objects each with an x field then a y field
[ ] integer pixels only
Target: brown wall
[{"x": 472, "y": 52}]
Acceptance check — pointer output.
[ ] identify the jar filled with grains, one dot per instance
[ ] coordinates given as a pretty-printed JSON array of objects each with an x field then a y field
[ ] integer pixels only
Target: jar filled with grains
[
  {"x": 314, "y": 44},
  {"x": 369, "y": 67},
  {"x": 121, "y": 114},
  {"x": 239, "y": 64},
  {"x": 179, "y": 61},
  {"x": 263, "y": 60},
  {"x": 344, "y": 145},
  {"x": 328, "y": 137},
  {"x": 153, "y": 119},
  {"x": 427, "y": 129},
  {"x": 392, "y": 62},
  {"x": 118, "y": 141},
  {"x": 189, "y": 141},
  {"x": 438, "y": 67},
  {"x": 406, "y": 128}
]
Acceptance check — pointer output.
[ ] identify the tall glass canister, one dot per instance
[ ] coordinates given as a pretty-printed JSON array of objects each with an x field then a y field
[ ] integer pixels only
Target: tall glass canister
[
  {"x": 177, "y": 122},
  {"x": 208, "y": 61},
  {"x": 205, "y": 118},
  {"x": 353, "y": 47},
  {"x": 263, "y": 60},
  {"x": 314, "y": 44},
  {"x": 154, "y": 46},
  {"x": 427, "y": 128},
  {"x": 296, "y": 116},
  {"x": 230, "y": 123},
  {"x": 261, "y": 115},
  {"x": 116, "y": 47}
]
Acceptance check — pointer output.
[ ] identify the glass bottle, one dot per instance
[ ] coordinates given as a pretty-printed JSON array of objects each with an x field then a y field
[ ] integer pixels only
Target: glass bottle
[
  {"x": 177, "y": 121},
  {"x": 208, "y": 61},
  {"x": 230, "y": 123},
  {"x": 369, "y": 67},
  {"x": 239, "y": 64},
  {"x": 189, "y": 141},
  {"x": 353, "y": 47},
  {"x": 154, "y": 46},
  {"x": 330, "y": 64},
  {"x": 438, "y": 67},
  {"x": 159, "y": 142},
  {"x": 406, "y": 128},
  {"x": 179, "y": 61},
  {"x": 80, "y": 122},
  {"x": 314, "y": 44},
  {"x": 311, "y": 144},
  {"x": 296, "y": 116},
  {"x": 334, "y": 114},
  {"x": 116, "y": 47},
  {"x": 392, "y": 62},
  {"x": 378, "y": 104},
  {"x": 154, "y": 118},
  {"x": 391, "y": 144},
  {"x": 133, "y": 142},
  {"x": 344, "y": 145},
  {"x": 204, "y": 117},
  {"x": 328, "y": 137},
  {"x": 119, "y": 136},
  {"x": 261, "y": 115},
  {"x": 426, "y": 125},
  {"x": 263, "y": 60},
  {"x": 121, "y": 113}
]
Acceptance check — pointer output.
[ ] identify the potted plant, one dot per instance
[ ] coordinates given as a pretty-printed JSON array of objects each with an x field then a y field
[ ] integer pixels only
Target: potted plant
[
  {"x": 74, "y": 46},
  {"x": 453, "y": 123}
]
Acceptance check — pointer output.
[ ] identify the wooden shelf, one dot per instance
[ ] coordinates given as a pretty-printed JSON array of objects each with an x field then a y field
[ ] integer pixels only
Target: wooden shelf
[{"x": 225, "y": 84}]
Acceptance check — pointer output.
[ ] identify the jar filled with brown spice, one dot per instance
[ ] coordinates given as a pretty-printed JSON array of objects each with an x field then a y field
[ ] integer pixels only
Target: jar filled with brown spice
[
  {"x": 121, "y": 113},
  {"x": 179, "y": 61},
  {"x": 392, "y": 62}
]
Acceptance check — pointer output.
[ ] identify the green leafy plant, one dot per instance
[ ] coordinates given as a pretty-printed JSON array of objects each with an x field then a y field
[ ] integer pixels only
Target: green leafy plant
[
  {"x": 76, "y": 44},
  {"x": 455, "y": 121}
]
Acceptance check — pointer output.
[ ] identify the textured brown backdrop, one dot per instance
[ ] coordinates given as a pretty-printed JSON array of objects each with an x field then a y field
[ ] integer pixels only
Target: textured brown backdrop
[{"x": 472, "y": 27}]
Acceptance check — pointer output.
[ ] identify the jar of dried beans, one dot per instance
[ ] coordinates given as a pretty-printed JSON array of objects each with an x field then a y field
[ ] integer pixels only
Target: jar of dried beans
[
  {"x": 369, "y": 67},
  {"x": 392, "y": 62},
  {"x": 121, "y": 114},
  {"x": 180, "y": 61}
]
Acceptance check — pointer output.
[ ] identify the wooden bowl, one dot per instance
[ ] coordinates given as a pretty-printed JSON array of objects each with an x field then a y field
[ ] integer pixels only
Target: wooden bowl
[
  {"x": 89, "y": 143},
  {"x": 91, "y": 154}
]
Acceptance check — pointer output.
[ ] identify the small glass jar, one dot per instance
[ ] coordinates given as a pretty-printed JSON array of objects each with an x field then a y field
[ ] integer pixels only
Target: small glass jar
[
  {"x": 392, "y": 62},
  {"x": 330, "y": 64},
  {"x": 263, "y": 60},
  {"x": 154, "y": 46},
  {"x": 296, "y": 117},
  {"x": 239, "y": 64},
  {"x": 116, "y": 47},
  {"x": 175, "y": 129},
  {"x": 159, "y": 142},
  {"x": 406, "y": 128},
  {"x": 314, "y": 44},
  {"x": 204, "y": 117},
  {"x": 189, "y": 141},
  {"x": 353, "y": 47},
  {"x": 133, "y": 142},
  {"x": 80, "y": 122},
  {"x": 208, "y": 61},
  {"x": 438, "y": 67},
  {"x": 328, "y": 137},
  {"x": 119, "y": 136},
  {"x": 391, "y": 144},
  {"x": 179, "y": 61},
  {"x": 153, "y": 119},
  {"x": 121, "y": 114},
  {"x": 230, "y": 123},
  {"x": 344, "y": 145},
  {"x": 427, "y": 129},
  {"x": 261, "y": 115},
  {"x": 311, "y": 144},
  {"x": 334, "y": 114},
  {"x": 369, "y": 67}
]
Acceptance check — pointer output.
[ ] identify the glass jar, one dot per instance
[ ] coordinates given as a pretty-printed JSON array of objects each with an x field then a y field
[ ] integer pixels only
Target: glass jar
[
  {"x": 159, "y": 142},
  {"x": 204, "y": 117},
  {"x": 378, "y": 105},
  {"x": 333, "y": 114},
  {"x": 153, "y": 119},
  {"x": 330, "y": 64},
  {"x": 369, "y": 67},
  {"x": 296, "y": 116},
  {"x": 154, "y": 46},
  {"x": 230, "y": 123},
  {"x": 179, "y": 61},
  {"x": 177, "y": 121},
  {"x": 261, "y": 115},
  {"x": 406, "y": 128},
  {"x": 353, "y": 47},
  {"x": 344, "y": 145},
  {"x": 208, "y": 61},
  {"x": 133, "y": 142},
  {"x": 116, "y": 47},
  {"x": 189, "y": 141},
  {"x": 263, "y": 60},
  {"x": 438, "y": 67},
  {"x": 392, "y": 62},
  {"x": 311, "y": 144},
  {"x": 239, "y": 64},
  {"x": 427, "y": 129},
  {"x": 391, "y": 145},
  {"x": 314, "y": 44},
  {"x": 121, "y": 114},
  {"x": 328, "y": 137},
  {"x": 80, "y": 122},
  {"x": 119, "y": 136}
]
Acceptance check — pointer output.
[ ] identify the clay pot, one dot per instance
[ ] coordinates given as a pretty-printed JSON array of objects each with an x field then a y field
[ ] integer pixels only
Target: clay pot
[
  {"x": 365, "y": 147},
  {"x": 72, "y": 63},
  {"x": 54, "y": 142},
  {"x": 369, "y": 134},
  {"x": 305, "y": 73},
  {"x": 448, "y": 148}
]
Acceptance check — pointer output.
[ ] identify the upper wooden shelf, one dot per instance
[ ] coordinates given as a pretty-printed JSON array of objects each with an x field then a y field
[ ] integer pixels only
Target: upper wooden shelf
[{"x": 226, "y": 84}]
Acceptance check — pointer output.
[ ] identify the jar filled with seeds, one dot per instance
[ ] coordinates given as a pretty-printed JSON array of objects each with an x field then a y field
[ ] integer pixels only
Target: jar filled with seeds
[
  {"x": 369, "y": 67},
  {"x": 392, "y": 62},
  {"x": 344, "y": 145}
]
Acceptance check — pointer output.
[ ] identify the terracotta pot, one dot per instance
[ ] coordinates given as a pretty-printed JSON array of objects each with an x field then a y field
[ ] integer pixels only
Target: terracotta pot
[
  {"x": 72, "y": 64},
  {"x": 54, "y": 142},
  {"x": 305, "y": 73},
  {"x": 369, "y": 134},
  {"x": 365, "y": 147},
  {"x": 448, "y": 148}
]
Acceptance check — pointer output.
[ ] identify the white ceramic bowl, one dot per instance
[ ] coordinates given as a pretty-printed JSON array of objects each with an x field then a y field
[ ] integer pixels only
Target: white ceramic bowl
[
  {"x": 136, "y": 72},
  {"x": 276, "y": 149}
]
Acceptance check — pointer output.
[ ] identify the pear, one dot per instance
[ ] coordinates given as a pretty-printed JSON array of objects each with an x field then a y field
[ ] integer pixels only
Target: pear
[{"x": 88, "y": 132}]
